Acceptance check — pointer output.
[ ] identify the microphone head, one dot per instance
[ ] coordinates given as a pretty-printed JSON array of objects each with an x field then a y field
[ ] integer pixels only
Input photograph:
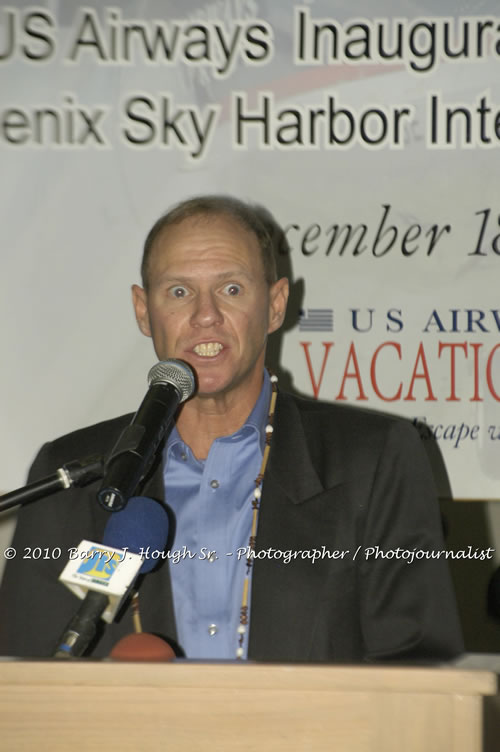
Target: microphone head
[
  {"x": 142, "y": 525},
  {"x": 176, "y": 373}
]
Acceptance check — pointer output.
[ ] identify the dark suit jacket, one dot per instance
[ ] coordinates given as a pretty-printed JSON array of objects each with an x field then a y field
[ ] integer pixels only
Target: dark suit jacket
[{"x": 339, "y": 478}]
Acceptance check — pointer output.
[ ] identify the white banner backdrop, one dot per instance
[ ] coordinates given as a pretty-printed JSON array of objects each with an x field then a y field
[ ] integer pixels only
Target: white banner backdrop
[{"x": 373, "y": 139}]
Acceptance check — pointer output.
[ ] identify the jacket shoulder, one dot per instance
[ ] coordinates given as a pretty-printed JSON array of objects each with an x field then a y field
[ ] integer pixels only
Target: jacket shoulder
[
  {"x": 97, "y": 439},
  {"x": 346, "y": 418},
  {"x": 350, "y": 437}
]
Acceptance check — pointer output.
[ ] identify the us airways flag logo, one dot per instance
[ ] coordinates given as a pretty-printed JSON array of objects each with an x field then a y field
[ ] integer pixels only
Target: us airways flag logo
[{"x": 316, "y": 320}]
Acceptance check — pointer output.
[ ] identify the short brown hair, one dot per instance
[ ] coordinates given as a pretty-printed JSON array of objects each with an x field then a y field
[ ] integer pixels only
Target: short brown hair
[{"x": 253, "y": 218}]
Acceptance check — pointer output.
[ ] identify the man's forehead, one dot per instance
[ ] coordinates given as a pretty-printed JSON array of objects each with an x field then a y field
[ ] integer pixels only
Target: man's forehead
[
  {"x": 202, "y": 220},
  {"x": 205, "y": 233}
]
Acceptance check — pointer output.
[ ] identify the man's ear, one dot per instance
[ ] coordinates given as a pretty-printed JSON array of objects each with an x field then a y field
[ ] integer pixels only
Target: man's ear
[
  {"x": 140, "y": 301},
  {"x": 278, "y": 300}
]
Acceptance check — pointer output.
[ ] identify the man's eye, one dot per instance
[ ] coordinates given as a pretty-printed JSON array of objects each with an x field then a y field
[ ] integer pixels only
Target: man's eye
[
  {"x": 232, "y": 289},
  {"x": 178, "y": 291}
]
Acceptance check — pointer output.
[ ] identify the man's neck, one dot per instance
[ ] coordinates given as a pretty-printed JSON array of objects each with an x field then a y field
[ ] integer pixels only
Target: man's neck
[{"x": 204, "y": 419}]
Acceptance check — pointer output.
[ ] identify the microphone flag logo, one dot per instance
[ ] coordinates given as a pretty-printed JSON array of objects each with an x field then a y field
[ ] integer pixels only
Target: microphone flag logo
[
  {"x": 100, "y": 563},
  {"x": 102, "y": 569}
]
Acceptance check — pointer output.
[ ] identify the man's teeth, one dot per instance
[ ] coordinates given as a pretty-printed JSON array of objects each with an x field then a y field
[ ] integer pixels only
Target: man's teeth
[{"x": 208, "y": 349}]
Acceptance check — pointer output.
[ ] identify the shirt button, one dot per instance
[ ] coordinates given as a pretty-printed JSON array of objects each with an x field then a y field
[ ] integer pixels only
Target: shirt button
[
  {"x": 212, "y": 629},
  {"x": 214, "y": 483},
  {"x": 212, "y": 557},
  {"x": 184, "y": 456}
]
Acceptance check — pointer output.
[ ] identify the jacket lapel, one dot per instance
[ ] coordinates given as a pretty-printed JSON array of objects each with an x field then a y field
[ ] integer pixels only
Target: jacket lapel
[
  {"x": 284, "y": 594},
  {"x": 290, "y": 465}
]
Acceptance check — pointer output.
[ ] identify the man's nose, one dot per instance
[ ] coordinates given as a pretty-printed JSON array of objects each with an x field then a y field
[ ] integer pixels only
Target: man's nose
[{"x": 206, "y": 310}]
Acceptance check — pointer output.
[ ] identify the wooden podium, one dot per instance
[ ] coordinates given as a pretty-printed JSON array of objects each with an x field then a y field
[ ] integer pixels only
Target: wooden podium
[{"x": 184, "y": 706}]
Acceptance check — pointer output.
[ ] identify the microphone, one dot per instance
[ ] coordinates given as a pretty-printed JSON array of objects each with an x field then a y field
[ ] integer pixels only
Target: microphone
[
  {"x": 170, "y": 383},
  {"x": 103, "y": 574},
  {"x": 75, "y": 473},
  {"x": 142, "y": 646}
]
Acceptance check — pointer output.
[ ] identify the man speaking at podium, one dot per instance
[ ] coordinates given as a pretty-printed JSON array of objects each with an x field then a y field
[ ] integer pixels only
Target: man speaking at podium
[{"x": 292, "y": 520}]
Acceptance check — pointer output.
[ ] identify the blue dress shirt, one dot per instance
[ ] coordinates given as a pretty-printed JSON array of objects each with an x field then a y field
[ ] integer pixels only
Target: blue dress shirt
[{"x": 211, "y": 501}]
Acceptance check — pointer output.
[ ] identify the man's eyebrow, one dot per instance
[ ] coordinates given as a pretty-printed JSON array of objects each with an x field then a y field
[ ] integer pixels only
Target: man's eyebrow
[{"x": 221, "y": 276}]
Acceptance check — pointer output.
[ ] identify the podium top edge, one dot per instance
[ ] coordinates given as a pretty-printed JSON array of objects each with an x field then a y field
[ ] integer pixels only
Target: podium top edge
[{"x": 444, "y": 679}]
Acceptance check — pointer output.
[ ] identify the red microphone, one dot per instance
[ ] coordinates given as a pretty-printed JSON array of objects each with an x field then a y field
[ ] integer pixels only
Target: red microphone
[
  {"x": 139, "y": 645},
  {"x": 142, "y": 646}
]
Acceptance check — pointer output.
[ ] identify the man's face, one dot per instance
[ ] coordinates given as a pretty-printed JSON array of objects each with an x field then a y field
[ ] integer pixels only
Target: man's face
[{"x": 208, "y": 303}]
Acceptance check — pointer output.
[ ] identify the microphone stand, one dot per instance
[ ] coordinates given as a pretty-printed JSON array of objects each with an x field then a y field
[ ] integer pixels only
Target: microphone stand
[{"x": 76, "y": 473}]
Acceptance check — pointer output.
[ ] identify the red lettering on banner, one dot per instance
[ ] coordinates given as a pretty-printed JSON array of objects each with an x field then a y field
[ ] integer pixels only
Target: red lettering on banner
[
  {"x": 489, "y": 380},
  {"x": 453, "y": 346},
  {"x": 350, "y": 369},
  {"x": 316, "y": 386},
  {"x": 373, "y": 375},
  {"x": 425, "y": 375},
  {"x": 355, "y": 375},
  {"x": 476, "y": 347}
]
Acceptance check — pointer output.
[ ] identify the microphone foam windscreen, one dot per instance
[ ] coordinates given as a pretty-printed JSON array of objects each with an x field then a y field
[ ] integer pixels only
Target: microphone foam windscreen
[{"x": 142, "y": 524}]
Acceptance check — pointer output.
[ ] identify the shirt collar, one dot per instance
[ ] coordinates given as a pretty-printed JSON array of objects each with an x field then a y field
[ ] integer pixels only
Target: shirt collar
[{"x": 257, "y": 420}]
